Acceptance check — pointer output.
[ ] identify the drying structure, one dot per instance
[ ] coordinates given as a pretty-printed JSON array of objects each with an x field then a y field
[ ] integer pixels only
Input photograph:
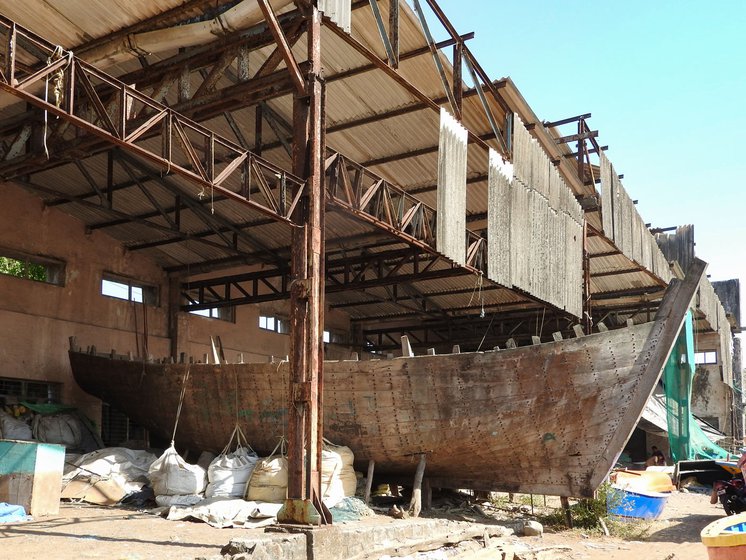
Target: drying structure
[{"x": 321, "y": 171}]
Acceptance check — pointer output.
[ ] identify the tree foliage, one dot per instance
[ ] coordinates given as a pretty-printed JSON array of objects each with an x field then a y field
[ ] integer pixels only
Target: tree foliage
[{"x": 23, "y": 269}]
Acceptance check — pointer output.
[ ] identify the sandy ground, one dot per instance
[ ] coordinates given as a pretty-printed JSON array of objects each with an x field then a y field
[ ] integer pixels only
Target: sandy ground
[
  {"x": 82, "y": 531},
  {"x": 675, "y": 536}
]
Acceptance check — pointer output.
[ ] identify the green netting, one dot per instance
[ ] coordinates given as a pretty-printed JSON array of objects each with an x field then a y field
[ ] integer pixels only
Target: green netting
[{"x": 686, "y": 438}]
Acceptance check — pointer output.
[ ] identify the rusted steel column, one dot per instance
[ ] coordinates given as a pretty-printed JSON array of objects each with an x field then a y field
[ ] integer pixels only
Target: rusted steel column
[{"x": 307, "y": 298}]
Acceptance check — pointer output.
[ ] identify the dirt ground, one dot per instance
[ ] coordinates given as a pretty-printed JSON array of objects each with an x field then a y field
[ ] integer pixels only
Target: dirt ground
[
  {"x": 83, "y": 531},
  {"x": 675, "y": 536}
]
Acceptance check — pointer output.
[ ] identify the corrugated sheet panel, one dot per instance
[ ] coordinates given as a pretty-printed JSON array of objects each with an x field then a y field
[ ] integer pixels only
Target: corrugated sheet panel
[
  {"x": 339, "y": 11},
  {"x": 451, "y": 220},
  {"x": 498, "y": 222},
  {"x": 623, "y": 224}
]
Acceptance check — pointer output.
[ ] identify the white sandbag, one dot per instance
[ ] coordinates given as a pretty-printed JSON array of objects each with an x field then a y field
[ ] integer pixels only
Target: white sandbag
[
  {"x": 179, "y": 500},
  {"x": 229, "y": 473},
  {"x": 338, "y": 480},
  {"x": 63, "y": 429},
  {"x": 269, "y": 480},
  {"x": 13, "y": 428},
  {"x": 170, "y": 475}
]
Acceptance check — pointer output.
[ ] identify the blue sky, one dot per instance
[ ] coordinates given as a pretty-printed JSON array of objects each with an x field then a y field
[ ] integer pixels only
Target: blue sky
[{"x": 665, "y": 82}]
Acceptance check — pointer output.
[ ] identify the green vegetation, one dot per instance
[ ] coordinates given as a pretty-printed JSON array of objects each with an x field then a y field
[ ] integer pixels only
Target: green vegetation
[
  {"x": 591, "y": 515},
  {"x": 23, "y": 269}
]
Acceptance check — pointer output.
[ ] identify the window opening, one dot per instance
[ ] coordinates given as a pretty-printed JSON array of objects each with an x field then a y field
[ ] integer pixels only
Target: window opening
[
  {"x": 129, "y": 290},
  {"x": 706, "y": 357},
  {"x": 274, "y": 324},
  {"x": 222, "y": 313},
  {"x": 29, "y": 267},
  {"x": 13, "y": 391}
]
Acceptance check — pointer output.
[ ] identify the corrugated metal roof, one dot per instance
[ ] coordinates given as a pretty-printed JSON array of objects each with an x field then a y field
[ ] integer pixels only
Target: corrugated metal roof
[{"x": 364, "y": 95}]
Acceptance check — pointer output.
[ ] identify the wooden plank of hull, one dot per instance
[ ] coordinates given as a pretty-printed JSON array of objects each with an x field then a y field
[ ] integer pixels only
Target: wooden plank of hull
[{"x": 546, "y": 419}]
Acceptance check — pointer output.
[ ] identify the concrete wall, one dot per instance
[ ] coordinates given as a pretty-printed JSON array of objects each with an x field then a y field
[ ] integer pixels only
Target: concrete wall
[
  {"x": 36, "y": 318},
  {"x": 711, "y": 398}
]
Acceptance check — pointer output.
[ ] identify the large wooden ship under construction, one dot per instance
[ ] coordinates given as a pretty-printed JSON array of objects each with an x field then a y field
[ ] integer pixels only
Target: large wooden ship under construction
[{"x": 550, "y": 418}]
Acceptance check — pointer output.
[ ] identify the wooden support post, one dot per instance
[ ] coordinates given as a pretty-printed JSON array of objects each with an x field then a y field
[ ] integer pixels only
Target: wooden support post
[
  {"x": 415, "y": 506},
  {"x": 427, "y": 495},
  {"x": 535, "y": 340},
  {"x": 578, "y": 329},
  {"x": 174, "y": 297},
  {"x": 406, "y": 348},
  {"x": 566, "y": 507},
  {"x": 369, "y": 480},
  {"x": 305, "y": 423},
  {"x": 557, "y": 336}
]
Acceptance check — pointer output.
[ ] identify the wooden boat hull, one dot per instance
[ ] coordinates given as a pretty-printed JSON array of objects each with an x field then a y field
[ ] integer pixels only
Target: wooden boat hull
[{"x": 547, "y": 419}]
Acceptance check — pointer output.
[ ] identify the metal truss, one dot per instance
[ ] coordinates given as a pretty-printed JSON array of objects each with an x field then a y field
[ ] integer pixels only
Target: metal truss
[
  {"x": 389, "y": 207},
  {"x": 361, "y": 272},
  {"x": 117, "y": 113}
]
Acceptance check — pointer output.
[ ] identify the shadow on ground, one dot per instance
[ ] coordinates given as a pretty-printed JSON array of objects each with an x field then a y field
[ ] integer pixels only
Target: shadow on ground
[{"x": 683, "y": 529}]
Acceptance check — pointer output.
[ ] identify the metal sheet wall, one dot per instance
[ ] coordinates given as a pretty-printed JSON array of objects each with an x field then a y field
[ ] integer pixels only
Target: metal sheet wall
[
  {"x": 339, "y": 11},
  {"x": 498, "y": 222},
  {"x": 624, "y": 226},
  {"x": 451, "y": 220},
  {"x": 709, "y": 304},
  {"x": 534, "y": 227}
]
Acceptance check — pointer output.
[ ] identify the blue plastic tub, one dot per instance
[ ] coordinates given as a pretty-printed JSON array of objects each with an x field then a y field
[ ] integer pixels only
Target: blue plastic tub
[{"x": 636, "y": 504}]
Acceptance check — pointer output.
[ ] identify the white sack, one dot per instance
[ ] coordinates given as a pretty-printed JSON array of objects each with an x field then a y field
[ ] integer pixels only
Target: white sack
[
  {"x": 269, "y": 481},
  {"x": 170, "y": 475},
  {"x": 63, "y": 429},
  {"x": 12, "y": 428},
  {"x": 125, "y": 466},
  {"x": 229, "y": 474},
  {"x": 338, "y": 480}
]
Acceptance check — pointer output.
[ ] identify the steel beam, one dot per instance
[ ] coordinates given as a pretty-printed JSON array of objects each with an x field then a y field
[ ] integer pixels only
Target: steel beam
[
  {"x": 124, "y": 130},
  {"x": 305, "y": 421}
]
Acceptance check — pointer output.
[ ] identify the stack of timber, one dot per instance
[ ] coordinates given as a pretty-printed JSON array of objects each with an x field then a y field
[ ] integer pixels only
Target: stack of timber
[
  {"x": 624, "y": 226},
  {"x": 535, "y": 226},
  {"x": 550, "y": 418}
]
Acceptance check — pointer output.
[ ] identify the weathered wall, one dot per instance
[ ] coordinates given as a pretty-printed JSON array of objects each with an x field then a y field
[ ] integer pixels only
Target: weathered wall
[
  {"x": 711, "y": 398},
  {"x": 729, "y": 292},
  {"x": 36, "y": 318}
]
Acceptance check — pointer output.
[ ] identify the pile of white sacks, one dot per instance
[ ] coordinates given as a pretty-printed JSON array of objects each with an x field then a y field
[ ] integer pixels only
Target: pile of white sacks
[{"x": 239, "y": 480}]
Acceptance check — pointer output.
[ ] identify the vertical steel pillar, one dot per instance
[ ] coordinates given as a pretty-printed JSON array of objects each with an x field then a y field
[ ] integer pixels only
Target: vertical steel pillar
[{"x": 307, "y": 298}]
